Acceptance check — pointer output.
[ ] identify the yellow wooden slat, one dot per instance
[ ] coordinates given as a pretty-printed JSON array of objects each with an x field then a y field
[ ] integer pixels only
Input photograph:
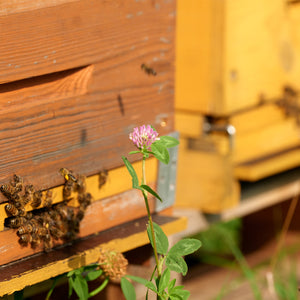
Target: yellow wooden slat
[
  {"x": 266, "y": 141},
  {"x": 268, "y": 167},
  {"x": 85, "y": 258},
  {"x": 118, "y": 181}
]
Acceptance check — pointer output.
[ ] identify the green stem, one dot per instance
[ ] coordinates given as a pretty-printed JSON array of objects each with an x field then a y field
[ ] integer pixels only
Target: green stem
[
  {"x": 51, "y": 290},
  {"x": 149, "y": 216},
  {"x": 99, "y": 288}
]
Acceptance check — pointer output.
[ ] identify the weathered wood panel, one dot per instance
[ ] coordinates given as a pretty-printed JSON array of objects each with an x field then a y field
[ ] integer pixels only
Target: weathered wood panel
[{"x": 72, "y": 85}]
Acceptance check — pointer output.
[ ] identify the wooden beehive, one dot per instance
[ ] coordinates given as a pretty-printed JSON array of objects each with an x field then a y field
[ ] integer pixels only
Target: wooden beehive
[
  {"x": 72, "y": 89},
  {"x": 237, "y": 65}
]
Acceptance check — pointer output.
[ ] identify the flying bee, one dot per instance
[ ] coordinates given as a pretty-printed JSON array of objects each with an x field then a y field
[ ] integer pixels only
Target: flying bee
[
  {"x": 148, "y": 70},
  {"x": 25, "y": 238},
  {"x": 48, "y": 199},
  {"x": 37, "y": 199},
  {"x": 103, "y": 175},
  {"x": 67, "y": 174},
  {"x": 11, "y": 209}
]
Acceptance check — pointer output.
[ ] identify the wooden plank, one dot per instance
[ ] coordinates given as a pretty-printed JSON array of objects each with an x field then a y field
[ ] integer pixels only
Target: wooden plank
[
  {"x": 267, "y": 166},
  {"x": 130, "y": 235},
  {"x": 199, "y": 56},
  {"x": 265, "y": 141},
  {"x": 80, "y": 33},
  {"x": 8, "y": 7},
  {"x": 86, "y": 90},
  {"x": 254, "y": 197}
]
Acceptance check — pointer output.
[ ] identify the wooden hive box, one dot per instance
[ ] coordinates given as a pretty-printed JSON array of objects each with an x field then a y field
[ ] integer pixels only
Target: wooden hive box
[
  {"x": 71, "y": 90},
  {"x": 237, "y": 64}
]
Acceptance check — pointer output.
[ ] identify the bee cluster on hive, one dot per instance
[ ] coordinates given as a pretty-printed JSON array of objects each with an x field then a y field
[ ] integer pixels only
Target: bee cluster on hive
[{"x": 47, "y": 222}]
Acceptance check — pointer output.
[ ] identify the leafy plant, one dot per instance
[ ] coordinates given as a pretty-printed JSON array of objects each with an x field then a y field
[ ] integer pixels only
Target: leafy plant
[{"x": 145, "y": 138}]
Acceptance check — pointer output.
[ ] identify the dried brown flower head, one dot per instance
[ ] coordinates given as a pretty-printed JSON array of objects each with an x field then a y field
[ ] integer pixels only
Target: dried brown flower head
[{"x": 113, "y": 264}]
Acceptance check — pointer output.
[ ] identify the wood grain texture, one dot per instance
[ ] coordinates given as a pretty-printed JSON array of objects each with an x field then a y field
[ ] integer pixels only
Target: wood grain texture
[
  {"x": 54, "y": 115},
  {"x": 8, "y": 7}
]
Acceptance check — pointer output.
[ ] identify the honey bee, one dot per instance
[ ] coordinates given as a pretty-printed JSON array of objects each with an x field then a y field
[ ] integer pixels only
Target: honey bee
[
  {"x": 80, "y": 214},
  {"x": 42, "y": 231},
  {"x": 48, "y": 199},
  {"x": 48, "y": 243},
  {"x": 67, "y": 174},
  {"x": 148, "y": 70},
  {"x": 11, "y": 209},
  {"x": 80, "y": 184},
  {"x": 69, "y": 187},
  {"x": 103, "y": 175},
  {"x": 25, "y": 238},
  {"x": 17, "y": 183},
  {"x": 21, "y": 212},
  {"x": 7, "y": 189},
  {"x": 28, "y": 195},
  {"x": 26, "y": 228},
  {"x": 37, "y": 199},
  {"x": 56, "y": 233},
  {"x": 15, "y": 222}
]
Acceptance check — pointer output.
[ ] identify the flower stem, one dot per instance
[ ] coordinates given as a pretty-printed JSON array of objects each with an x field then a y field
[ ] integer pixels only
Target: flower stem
[
  {"x": 149, "y": 217},
  {"x": 99, "y": 288}
]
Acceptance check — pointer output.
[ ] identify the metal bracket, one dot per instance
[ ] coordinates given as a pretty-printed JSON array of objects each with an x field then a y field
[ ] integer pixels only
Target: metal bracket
[
  {"x": 228, "y": 129},
  {"x": 166, "y": 182}
]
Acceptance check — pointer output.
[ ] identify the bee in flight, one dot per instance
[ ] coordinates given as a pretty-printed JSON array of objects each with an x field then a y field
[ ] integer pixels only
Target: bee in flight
[{"x": 148, "y": 70}]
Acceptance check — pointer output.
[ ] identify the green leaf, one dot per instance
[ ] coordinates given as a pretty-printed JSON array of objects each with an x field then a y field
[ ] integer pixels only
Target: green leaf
[
  {"x": 135, "y": 180},
  {"x": 171, "y": 285},
  {"x": 149, "y": 190},
  {"x": 168, "y": 141},
  {"x": 176, "y": 263},
  {"x": 92, "y": 275},
  {"x": 164, "y": 280},
  {"x": 128, "y": 289},
  {"x": 185, "y": 247},
  {"x": 179, "y": 293},
  {"x": 162, "y": 243},
  {"x": 134, "y": 152},
  {"x": 81, "y": 287},
  {"x": 69, "y": 274},
  {"x": 70, "y": 287},
  {"x": 150, "y": 285},
  {"x": 160, "y": 152}
]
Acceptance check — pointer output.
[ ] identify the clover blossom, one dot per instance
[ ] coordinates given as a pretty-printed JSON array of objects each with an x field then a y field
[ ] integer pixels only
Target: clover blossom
[{"x": 143, "y": 137}]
